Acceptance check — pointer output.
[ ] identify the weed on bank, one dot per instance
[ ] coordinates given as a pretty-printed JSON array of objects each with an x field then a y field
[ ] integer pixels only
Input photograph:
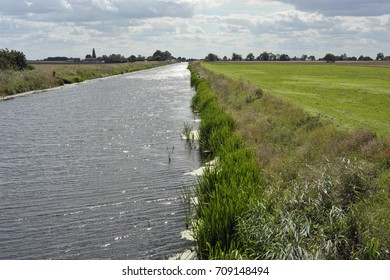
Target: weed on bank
[{"x": 44, "y": 76}]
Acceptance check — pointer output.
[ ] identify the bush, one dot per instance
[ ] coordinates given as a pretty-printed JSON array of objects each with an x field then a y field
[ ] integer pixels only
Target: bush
[
  {"x": 12, "y": 60},
  {"x": 330, "y": 57}
]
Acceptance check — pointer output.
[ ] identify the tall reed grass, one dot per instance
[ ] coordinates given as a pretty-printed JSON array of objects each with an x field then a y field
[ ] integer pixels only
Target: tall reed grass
[{"x": 223, "y": 192}]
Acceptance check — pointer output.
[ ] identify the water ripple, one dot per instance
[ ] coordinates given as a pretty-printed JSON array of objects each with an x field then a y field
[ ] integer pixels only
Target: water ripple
[{"x": 84, "y": 171}]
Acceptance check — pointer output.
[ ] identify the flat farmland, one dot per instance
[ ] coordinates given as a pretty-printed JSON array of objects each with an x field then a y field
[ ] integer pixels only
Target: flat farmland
[{"x": 352, "y": 95}]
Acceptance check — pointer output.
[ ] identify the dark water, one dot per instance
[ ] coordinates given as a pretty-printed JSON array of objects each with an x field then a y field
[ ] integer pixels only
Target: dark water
[{"x": 84, "y": 170}]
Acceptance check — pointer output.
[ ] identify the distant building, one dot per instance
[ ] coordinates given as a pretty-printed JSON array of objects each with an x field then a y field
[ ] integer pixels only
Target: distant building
[{"x": 91, "y": 58}]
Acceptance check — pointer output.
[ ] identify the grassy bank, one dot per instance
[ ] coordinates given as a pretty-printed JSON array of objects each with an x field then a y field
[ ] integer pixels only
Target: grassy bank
[
  {"x": 45, "y": 76},
  {"x": 288, "y": 184},
  {"x": 351, "y": 95}
]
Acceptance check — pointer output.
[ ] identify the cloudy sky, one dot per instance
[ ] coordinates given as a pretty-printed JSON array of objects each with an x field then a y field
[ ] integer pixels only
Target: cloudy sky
[{"x": 194, "y": 28}]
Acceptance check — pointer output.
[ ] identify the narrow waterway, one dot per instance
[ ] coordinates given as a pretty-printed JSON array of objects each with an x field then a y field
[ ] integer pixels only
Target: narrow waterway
[{"x": 85, "y": 170}]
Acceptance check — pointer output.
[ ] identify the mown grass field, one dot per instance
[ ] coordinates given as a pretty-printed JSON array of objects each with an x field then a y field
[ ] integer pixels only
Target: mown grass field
[
  {"x": 352, "y": 95},
  {"x": 42, "y": 76}
]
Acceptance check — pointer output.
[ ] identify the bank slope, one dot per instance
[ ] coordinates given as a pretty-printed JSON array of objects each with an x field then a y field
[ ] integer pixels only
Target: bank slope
[
  {"x": 288, "y": 185},
  {"x": 44, "y": 76}
]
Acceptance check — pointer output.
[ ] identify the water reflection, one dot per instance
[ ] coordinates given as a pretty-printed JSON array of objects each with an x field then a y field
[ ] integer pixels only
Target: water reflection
[{"x": 84, "y": 171}]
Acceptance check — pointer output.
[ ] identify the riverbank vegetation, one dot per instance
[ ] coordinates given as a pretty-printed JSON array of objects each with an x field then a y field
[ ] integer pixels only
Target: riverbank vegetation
[
  {"x": 288, "y": 183},
  {"x": 12, "y": 60},
  {"x": 43, "y": 76}
]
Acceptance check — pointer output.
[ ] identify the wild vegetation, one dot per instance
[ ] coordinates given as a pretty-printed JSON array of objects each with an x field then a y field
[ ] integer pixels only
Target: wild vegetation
[
  {"x": 288, "y": 184},
  {"x": 45, "y": 76},
  {"x": 12, "y": 60}
]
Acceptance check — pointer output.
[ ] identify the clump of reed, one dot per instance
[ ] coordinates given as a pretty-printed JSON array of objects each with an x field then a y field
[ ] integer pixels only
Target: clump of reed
[
  {"x": 190, "y": 135},
  {"x": 223, "y": 192}
]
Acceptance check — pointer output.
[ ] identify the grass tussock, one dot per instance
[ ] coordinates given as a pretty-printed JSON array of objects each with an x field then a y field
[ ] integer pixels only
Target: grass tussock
[
  {"x": 43, "y": 76},
  {"x": 288, "y": 184}
]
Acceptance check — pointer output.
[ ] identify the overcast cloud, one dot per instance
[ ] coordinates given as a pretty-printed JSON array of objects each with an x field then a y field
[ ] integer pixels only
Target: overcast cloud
[
  {"x": 193, "y": 28},
  {"x": 343, "y": 7}
]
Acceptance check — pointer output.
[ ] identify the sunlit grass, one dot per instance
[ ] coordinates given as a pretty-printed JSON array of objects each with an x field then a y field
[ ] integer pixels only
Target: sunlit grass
[{"x": 350, "y": 95}]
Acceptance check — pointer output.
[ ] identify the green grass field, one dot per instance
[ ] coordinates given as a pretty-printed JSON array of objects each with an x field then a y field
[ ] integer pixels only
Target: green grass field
[{"x": 353, "y": 95}]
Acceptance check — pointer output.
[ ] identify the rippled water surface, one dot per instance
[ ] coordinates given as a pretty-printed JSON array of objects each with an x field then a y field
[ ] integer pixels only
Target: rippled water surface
[{"x": 84, "y": 170}]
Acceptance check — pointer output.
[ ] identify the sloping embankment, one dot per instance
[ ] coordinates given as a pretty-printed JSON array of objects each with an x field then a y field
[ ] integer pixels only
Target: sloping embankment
[
  {"x": 287, "y": 185},
  {"x": 46, "y": 76}
]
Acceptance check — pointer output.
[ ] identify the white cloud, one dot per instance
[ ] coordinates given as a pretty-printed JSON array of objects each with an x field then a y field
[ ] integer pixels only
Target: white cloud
[
  {"x": 86, "y": 10},
  {"x": 204, "y": 3},
  {"x": 341, "y": 7},
  {"x": 193, "y": 28}
]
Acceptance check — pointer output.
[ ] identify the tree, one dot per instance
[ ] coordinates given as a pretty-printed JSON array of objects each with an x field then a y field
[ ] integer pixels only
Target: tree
[
  {"x": 140, "y": 58},
  {"x": 272, "y": 57},
  {"x": 330, "y": 57},
  {"x": 284, "y": 57},
  {"x": 250, "y": 57},
  {"x": 132, "y": 58},
  {"x": 167, "y": 55},
  {"x": 212, "y": 57},
  {"x": 161, "y": 56},
  {"x": 12, "y": 60},
  {"x": 342, "y": 57},
  {"x": 236, "y": 57},
  {"x": 264, "y": 56},
  {"x": 157, "y": 55},
  {"x": 380, "y": 56},
  {"x": 93, "y": 53}
]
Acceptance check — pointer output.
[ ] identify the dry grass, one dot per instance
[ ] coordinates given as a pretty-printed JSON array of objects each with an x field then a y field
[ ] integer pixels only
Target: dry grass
[{"x": 45, "y": 76}]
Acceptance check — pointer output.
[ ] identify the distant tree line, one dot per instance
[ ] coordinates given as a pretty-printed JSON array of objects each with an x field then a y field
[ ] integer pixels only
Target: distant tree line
[
  {"x": 158, "y": 55},
  {"x": 61, "y": 58},
  {"x": 12, "y": 60},
  {"x": 269, "y": 56}
]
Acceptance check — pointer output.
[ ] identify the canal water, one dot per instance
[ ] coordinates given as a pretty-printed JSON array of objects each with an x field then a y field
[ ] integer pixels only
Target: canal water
[{"x": 85, "y": 170}]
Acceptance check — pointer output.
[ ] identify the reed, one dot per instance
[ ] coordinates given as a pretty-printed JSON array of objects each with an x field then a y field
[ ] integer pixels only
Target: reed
[
  {"x": 224, "y": 191},
  {"x": 187, "y": 129},
  {"x": 169, "y": 151}
]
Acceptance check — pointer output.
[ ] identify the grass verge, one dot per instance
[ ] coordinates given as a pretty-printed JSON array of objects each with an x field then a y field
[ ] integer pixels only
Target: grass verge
[
  {"x": 45, "y": 76},
  {"x": 288, "y": 185}
]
